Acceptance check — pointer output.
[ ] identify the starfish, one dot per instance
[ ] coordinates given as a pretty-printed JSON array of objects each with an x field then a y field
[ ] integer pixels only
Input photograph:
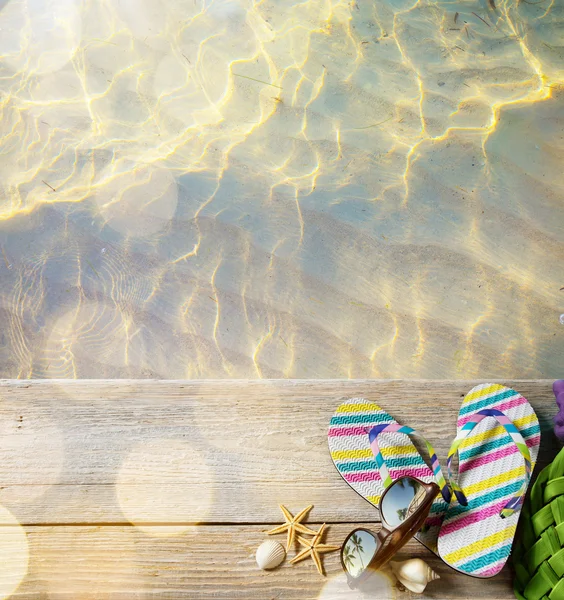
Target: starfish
[
  {"x": 314, "y": 548},
  {"x": 292, "y": 525}
]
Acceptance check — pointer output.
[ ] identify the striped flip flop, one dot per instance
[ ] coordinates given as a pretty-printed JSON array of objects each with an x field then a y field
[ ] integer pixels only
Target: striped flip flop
[
  {"x": 371, "y": 450},
  {"x": 497, "y": 444}
]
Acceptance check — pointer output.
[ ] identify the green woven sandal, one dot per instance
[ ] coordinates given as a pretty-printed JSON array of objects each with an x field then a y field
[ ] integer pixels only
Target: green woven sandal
[{"x": 538, "y": 556}]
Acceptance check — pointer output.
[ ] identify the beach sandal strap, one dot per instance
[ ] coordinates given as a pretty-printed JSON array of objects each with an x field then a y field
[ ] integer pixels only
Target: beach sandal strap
[
  {"x": 515, "y": 502},
  {"x": 374, "y": 432}
]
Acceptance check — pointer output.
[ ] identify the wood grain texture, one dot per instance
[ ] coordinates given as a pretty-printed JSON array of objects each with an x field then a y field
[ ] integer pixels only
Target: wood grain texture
[
  {"x": 164, "y": 489},
  {"x": 204, "y": 563},
  {"x": 100, "y": 452}
]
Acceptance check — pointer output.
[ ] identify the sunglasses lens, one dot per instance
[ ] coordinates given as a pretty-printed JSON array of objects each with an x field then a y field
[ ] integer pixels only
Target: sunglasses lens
[
  {"x": 359, "y": 551},
  {"x": 402, "y": 500}
]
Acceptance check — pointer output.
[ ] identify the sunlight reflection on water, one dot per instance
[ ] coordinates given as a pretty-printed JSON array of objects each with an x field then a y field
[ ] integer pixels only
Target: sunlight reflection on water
[{"x": 275, "y": 189}]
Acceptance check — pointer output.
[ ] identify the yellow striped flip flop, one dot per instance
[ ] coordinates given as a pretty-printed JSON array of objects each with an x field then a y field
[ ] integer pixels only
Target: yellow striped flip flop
[
  {"x": 370, "y": 467},
  {"x": 497, "y": 444}
]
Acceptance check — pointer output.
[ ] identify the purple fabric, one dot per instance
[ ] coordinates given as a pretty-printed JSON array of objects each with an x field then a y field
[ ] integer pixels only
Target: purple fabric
[{"x": 558, "y": 388}]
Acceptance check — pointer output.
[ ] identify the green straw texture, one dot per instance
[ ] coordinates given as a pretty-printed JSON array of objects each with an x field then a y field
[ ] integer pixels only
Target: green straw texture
[{"x": 538, "y": 555}]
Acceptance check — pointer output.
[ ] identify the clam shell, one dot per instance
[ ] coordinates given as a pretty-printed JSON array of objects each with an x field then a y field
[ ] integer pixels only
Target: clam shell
[{"x": 270, "y": 554}]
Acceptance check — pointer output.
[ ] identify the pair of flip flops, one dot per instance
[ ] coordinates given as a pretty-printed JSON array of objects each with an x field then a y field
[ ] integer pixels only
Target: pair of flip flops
[{"x": 473, "y": 521}]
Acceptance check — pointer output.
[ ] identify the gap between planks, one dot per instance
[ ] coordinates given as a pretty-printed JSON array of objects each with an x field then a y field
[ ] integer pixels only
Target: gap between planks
[
  {"x": 77, "y": 458},
  {"x": 204, "y": 563},
  {"x": 109, "y": 452}
]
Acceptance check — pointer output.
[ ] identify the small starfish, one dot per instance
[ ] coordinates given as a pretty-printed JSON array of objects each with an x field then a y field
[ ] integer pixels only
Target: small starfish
[
  {"x": 314, "y": 548},
  {"x": 292, "y": 524}
]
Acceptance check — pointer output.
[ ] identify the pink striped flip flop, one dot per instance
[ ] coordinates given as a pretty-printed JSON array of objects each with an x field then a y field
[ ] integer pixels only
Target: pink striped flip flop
[
  {"x": 371, "y": 450},
  {"x": 498, "y": 442}
]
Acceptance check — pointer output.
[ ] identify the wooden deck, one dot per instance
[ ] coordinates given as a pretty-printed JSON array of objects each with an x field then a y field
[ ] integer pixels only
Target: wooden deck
[{"x": 163, "y": 489}]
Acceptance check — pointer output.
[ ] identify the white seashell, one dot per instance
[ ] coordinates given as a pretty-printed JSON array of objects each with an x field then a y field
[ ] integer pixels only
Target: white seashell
[
  {"x": 414, "y": 574},
  {"x": 270, "y": 554}
]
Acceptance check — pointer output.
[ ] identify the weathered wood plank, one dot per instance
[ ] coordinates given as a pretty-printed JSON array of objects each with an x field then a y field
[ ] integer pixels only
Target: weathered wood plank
[
  {"x": 203, "y": 563},
  {"x": 100, "y": 452},
  {"x": 77, "y": 456}
]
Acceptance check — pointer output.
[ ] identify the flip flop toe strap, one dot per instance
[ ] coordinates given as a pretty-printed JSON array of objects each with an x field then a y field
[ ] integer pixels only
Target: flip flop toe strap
[
  {"x": 514, "y": 503},
  {"x": 374, "y": 432}
]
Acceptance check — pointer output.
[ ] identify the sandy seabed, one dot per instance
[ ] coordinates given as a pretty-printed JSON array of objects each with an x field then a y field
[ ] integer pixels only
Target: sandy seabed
[{"x": 198, "y": 188}]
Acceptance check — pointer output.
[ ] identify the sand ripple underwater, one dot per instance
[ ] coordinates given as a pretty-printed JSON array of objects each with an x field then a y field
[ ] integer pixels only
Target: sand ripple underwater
[{"x": 200, "y": 188}]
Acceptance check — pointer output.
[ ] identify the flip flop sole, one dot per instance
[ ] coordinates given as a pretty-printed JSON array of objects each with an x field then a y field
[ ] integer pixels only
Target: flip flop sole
[
  {"x": 474, "y": 539},
  {"x": 350, "y": 450}
]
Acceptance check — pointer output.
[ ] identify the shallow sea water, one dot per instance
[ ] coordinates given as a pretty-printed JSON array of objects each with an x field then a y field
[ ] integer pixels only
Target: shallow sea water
[{"x": 202, "y": 189}]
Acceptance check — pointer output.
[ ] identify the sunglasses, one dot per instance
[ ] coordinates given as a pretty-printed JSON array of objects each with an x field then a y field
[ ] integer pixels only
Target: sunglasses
[{"x": 404, "y": 507}]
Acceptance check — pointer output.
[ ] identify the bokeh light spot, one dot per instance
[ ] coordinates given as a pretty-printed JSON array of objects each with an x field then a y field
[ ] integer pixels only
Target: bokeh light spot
[
  {"x": 165, "y": 486},
  {"x": 14, "y": 553},
  {"x": 378, "y": 586}
]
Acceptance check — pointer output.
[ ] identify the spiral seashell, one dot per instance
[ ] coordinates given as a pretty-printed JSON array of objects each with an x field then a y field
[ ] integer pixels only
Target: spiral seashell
[
  {"x": 413, "y": 574},
  {"x": 270, "y": 554}
]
